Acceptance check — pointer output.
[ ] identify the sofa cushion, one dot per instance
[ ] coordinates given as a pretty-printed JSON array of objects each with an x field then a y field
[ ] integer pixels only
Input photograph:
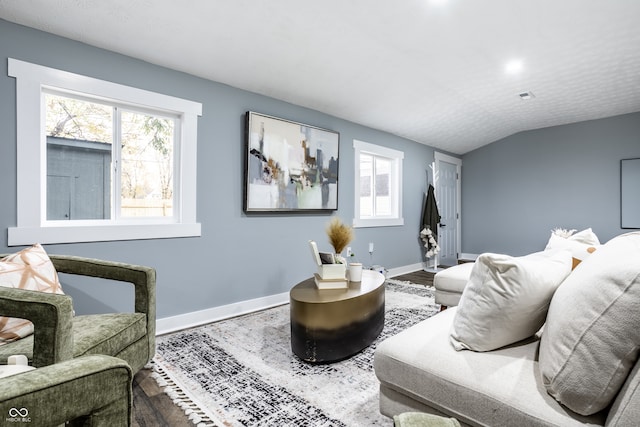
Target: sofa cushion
[
  {"x": 450, "y": 283},
  {"x": 625, "y": 410},
  {"x": 29, "y": 269},
  {"x": 506, "y": 298},
  {"x": 581, "y": 244},
  {"x": 498, "y": 388},
  {"x": 453, "y": 279},
  {"x": 92, "y": 334},
  {"x": 592, "y": 335},
  {"x": 107, "y": 333}
]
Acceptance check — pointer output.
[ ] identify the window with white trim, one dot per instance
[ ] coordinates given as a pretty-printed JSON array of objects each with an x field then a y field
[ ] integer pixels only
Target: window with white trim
[
  {"x": 378, "y": 185},
  {"x": 100, "y": 161}
]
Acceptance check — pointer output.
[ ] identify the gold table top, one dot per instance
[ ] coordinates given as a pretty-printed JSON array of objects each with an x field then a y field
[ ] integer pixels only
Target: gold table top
[{"x": 307, "y": 291}]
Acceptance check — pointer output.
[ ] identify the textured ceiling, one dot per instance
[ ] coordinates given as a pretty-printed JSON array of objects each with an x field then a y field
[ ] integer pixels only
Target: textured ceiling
[{"x": 433, "y": 72}]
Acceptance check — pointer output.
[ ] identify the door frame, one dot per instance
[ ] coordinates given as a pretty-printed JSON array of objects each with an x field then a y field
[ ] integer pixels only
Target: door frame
[{"x": 439, "y": 157}]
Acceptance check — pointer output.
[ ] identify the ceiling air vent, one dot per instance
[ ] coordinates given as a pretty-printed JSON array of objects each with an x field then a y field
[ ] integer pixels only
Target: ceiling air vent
[{"x": 526, "y": 95}]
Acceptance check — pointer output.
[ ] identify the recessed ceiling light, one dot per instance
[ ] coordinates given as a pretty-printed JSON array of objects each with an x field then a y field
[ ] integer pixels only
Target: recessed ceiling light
[
  {"x": 526, "y": 95},
  {"x": 514, "y": 66}
]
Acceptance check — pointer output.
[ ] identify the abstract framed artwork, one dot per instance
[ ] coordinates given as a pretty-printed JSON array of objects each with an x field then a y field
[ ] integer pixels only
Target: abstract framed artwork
[
  {"x": 289, "y": 166},
  {"x": 629, "y": 196}
]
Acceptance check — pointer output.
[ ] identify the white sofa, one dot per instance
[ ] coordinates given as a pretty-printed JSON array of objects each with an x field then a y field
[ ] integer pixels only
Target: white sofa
[
  {"x": 450, "y": 283},
  {"x": 419, "y": 369}
]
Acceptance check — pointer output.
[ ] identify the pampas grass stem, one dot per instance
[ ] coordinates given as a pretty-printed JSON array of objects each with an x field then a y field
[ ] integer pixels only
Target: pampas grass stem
[{"x": 339, "y": 234}]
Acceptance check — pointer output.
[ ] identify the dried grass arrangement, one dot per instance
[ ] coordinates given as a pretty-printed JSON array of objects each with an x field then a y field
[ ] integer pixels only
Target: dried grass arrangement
[{"x": 340, "y": 234}]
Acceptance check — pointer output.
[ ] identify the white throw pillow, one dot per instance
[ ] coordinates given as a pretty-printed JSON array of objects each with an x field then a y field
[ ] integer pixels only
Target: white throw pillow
[
  {"x": 507, "y": 298},
  {"x": 592, "y": 336},
  {"x": 29, "y": 269},
  {"x": 581, "y": 244}
]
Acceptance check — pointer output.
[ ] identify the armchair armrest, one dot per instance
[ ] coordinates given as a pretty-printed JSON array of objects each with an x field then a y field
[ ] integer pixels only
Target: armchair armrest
[
  {"x": 52, "y": 317},
  {"x": 143, "y": 279},
  {"x": 94, "y": 389}
]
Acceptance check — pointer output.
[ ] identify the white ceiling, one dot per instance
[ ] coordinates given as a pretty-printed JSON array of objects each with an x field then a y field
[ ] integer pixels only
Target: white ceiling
[{"x": 433, "y": 73}]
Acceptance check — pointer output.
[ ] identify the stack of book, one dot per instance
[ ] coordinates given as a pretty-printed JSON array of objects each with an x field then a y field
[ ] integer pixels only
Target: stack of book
[{"x": 340, "y": 283}]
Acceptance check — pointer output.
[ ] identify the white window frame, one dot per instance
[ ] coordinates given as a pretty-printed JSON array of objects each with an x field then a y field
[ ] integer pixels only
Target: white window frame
[
  {"x": 32, "y": 225},
  {"x": 395, "y": 185}
]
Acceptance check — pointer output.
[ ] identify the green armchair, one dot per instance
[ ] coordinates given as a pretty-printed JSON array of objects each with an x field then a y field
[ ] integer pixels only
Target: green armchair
[
  {"x": 87, "y": 391},
  {"x": 60, "y": 336}
]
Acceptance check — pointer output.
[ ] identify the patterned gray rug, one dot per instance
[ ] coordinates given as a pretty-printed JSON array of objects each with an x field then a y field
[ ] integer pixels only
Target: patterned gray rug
[{"x": 241, "y": 371}]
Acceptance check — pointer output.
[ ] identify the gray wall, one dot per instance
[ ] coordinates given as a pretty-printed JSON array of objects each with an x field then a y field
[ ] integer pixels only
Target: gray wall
[
  {"x": 238, "y": 257},
  {"x": 516, "y": 190}
]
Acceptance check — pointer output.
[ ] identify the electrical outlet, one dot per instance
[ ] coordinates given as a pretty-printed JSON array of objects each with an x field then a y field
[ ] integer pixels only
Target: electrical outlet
[
  {"x": 370, "y": 247},
  {"x": 349, "y": 252}
]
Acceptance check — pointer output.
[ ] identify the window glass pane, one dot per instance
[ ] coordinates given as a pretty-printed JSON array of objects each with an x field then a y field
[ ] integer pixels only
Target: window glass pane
[
  {"x": 79, "y": 140},
  {"x": 147, "y": 165},
  {"x": 382, "y": 182},
  {"x": 366, "y": 174}
]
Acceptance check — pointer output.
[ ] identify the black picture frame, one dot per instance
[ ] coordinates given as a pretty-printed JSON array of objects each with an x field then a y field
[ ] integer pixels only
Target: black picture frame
[
  {"x": 629, "y": 194},
  {"x": 289, "y": 166}
]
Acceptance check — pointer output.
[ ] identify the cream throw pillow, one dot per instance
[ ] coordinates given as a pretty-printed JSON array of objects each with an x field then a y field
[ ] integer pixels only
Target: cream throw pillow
[
  {"x": 506, "y": 298},
  {"x": 581, "y": 244},
  {"x": 29, "y": 269},
  {"x": 592, "y": 336}
]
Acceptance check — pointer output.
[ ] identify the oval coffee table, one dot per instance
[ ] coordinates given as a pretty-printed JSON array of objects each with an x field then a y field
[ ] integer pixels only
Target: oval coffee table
[{"x": 328, "y": 325}]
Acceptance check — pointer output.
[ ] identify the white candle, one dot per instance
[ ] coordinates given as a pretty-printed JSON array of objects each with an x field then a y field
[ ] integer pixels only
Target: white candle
[{"x": 371, "y": 247}]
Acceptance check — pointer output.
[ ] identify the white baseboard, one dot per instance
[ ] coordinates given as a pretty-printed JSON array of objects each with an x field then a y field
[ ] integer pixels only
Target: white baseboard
[
  {"x": 467, "y": 256},
  {"x": 196, "y": 318},
  {"x": 167, "y": 325},
  {"x": 397, "y": 271}
]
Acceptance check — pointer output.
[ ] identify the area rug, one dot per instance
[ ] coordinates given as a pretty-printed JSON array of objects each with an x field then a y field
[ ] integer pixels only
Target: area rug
[{"x": 242, "y": 372}]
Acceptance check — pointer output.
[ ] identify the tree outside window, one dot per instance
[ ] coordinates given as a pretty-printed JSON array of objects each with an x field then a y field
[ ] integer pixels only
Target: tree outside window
[{"x": 105, "y": 161}]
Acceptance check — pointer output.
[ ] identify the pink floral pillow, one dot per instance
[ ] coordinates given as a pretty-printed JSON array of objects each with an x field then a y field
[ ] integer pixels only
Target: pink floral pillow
[{"x": 29, "y": 269}]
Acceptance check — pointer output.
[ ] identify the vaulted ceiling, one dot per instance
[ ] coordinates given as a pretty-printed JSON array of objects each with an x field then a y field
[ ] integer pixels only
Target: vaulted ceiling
[{"x": 446, "y": 73}]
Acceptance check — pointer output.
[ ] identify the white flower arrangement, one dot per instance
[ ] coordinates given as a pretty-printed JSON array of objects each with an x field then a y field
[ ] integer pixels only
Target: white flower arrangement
[{"x": 429, "y": 242}]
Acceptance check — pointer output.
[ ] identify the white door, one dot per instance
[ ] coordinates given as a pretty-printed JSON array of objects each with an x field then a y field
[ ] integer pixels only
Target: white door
[{"x": 448, "y": 198}]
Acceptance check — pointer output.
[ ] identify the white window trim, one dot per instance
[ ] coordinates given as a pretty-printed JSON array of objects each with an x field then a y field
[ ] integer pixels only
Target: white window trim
[
  {"x": 32, "y": 226},
  {"x": 396, "y": 183}
]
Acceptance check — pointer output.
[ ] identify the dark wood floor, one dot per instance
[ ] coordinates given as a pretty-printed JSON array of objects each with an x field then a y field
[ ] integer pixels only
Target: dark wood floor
[
  {"x": 420, "y": 276},
  {"x": 153, "y": 408}
]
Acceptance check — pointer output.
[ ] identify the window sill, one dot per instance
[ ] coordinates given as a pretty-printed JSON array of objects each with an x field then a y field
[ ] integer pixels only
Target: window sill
[
  {"x": 377, "y": 222},
  {"x": 95, "y": 233}
]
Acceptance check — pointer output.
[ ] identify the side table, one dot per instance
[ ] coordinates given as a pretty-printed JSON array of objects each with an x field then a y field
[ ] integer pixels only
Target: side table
[{"x": 328, "y": 325}]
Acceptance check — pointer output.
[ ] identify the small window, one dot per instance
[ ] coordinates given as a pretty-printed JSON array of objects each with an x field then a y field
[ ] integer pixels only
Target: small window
[
  {"x": 378, "y": 185},
  {"x": 101, "y": 161}
]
